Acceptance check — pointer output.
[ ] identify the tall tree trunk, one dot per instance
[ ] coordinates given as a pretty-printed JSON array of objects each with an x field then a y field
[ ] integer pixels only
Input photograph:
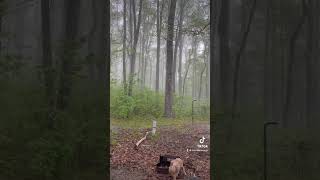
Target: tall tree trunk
[
  {"x": 312, "y": 66},
  {"x": 207, "y": 81},
  {"x": 134, "y": 46},
  {"x": 144, "y": 43},
  {"x": 223, "y": 30},
  {"x": 97, "y": 46},
  {"x": 200, "y": 84},
  {"x": 140, "y": 72},
  {"x": 163, "y": 82},
  {"x": 143, "y": 63},
  {"x": 148, "y": 43},
  {"x": 202, "y": 71},
  {"x": 106, "y": 90},
  {"x": 290, "y": 80},
  {"x": 194, "y": 66},
  {"x": 185, "y": 77},
  {"x": 2, "y": 4},
  {"x": 158, "y": 45},
  {"x": 69, "y": 51},
  {"x": 169, "y": 76},
  {"x": 207, "y": 94},
  {"x": 102, "y": 41},
  {"x": 91, "y": 44},
  {"x": 237, "y": 68},
  {"x": 130, "y": 30},
  {"x": 150, "y": 59},
  {"x": 267, "y": 65},
  {"x": 124, "y": 72},
  {"x": 215, "y": 62},
  {"x": 180, "y": 67},
  {"x": 159, "y": 22},
  {"x": 47, "y": 58},
  {"x": 177, "y": 42}
]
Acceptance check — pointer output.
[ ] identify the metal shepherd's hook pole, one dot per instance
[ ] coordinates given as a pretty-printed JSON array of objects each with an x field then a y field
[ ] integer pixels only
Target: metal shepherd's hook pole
[
  {"x": 265, "y": 147},
  {"x": 192, "y": 110}
]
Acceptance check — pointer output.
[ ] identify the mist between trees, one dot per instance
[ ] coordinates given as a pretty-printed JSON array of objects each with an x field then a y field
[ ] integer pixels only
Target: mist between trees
[{"x": 159, "y": 58}]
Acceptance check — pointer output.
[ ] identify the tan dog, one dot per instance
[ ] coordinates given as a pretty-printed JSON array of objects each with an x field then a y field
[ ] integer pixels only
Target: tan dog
[{"x": 175, "y": 166}]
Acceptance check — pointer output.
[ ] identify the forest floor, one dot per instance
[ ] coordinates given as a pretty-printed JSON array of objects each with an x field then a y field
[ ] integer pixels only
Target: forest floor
[{"x": 173, "y": 138}]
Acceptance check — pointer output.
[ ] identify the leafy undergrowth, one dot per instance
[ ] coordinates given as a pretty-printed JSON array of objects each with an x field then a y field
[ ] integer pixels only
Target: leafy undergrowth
[{"x": 140, "y": 164}]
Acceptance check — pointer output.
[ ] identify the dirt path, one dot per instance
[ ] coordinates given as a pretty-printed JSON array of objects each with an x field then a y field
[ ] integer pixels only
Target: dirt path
[{"x": 140, "y": 164}]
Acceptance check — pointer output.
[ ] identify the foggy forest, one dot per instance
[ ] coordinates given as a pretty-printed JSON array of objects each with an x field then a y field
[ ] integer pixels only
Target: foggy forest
[
  {"x": 142, "y": 51},
  {"x": 96, "y": 88},
  {"x": 160, "y": 73}
]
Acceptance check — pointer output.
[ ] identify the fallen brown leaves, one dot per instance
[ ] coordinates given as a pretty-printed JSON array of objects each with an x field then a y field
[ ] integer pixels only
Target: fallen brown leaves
[{"x": 169, "y": 141}]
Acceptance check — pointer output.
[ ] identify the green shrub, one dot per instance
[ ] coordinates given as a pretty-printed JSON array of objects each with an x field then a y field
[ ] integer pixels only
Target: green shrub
[
  {"x": 182, "y": 106},
  {"x": 144, "y": 103},
  {"x": 121, "y": 105},
  {"x": 147, "y": 103}
]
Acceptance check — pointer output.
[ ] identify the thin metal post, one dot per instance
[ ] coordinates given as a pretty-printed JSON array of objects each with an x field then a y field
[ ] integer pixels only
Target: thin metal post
[
  {"x": 192, "y": 110},
  {"x": 265, "y": 147}
]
